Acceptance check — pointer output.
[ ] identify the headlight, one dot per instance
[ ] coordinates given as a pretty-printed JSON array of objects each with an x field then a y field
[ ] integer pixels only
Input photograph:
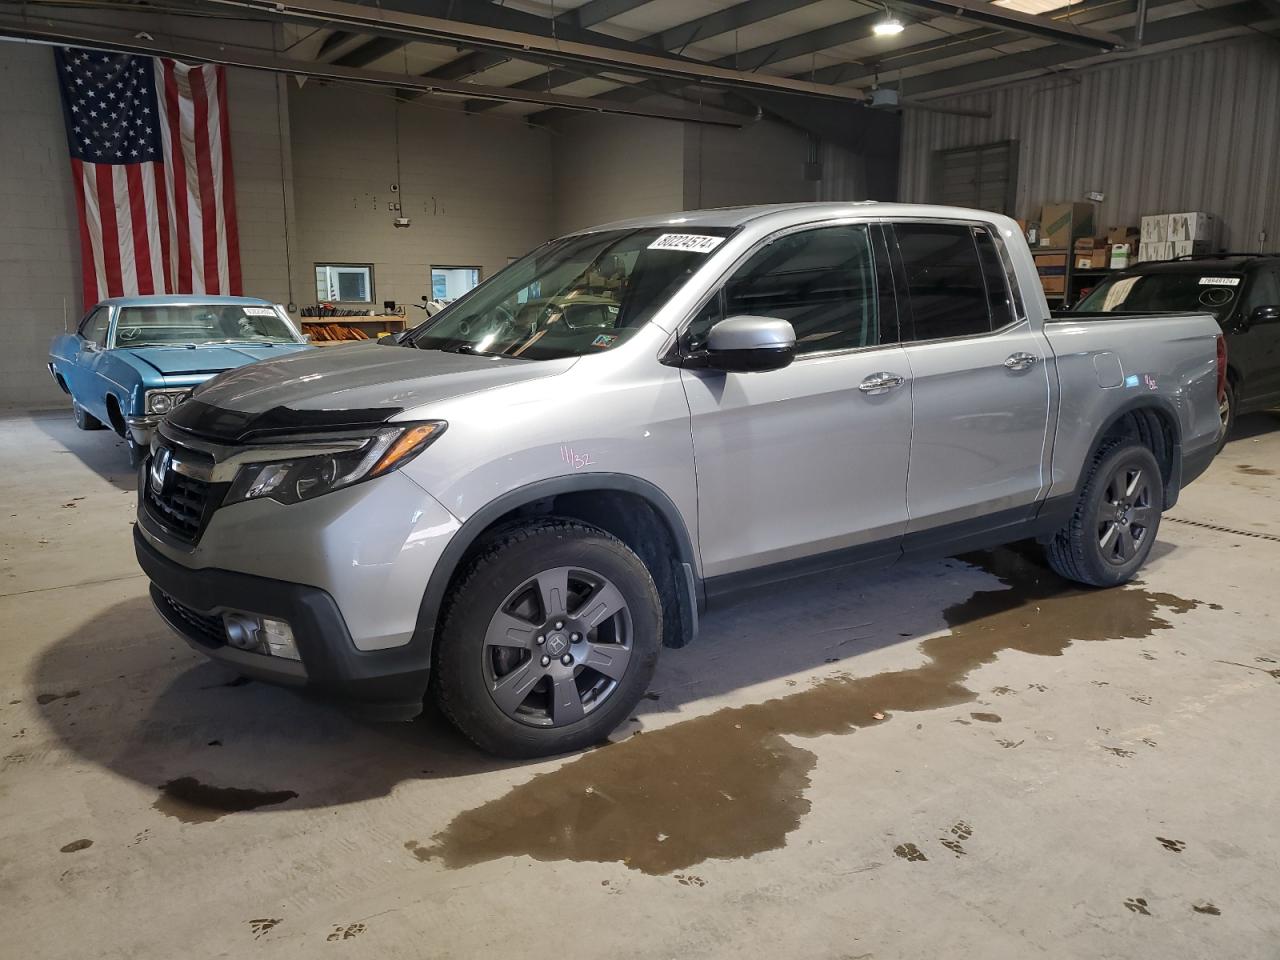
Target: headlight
[
  {"x": 162, "y": 401},
  {"x": 301, "y": 478}
]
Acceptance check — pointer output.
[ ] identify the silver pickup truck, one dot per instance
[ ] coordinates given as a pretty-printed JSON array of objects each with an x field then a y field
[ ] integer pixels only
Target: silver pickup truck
[{"x": 513, "y": 507}]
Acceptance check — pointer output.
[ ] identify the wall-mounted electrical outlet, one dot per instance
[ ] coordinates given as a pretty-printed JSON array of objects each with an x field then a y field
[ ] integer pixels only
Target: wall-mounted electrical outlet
[{"x": 400, "y": 222}]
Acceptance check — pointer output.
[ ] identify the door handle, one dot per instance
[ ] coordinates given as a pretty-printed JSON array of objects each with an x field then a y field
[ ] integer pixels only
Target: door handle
[
  {"x": 1020, "y": 361},
  {"x": 882, "y": 382}
]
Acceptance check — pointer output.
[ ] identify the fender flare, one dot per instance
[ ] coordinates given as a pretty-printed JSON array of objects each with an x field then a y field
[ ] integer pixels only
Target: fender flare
[
  {"x": 481, "y": 519},
  {"x": 1147, "y": 402}
]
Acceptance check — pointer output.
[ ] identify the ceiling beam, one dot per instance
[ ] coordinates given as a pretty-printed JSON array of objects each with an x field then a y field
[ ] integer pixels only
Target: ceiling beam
[
  {"x": 677, "y": 38},
  {"x": 598, "y": 11},
  {"x": 1033, "y": 25},
  {"x": 383, "y": 22},
  {"x": 954, "y": 45},
  {"x": 1045, "y": 58},
  {"x": 120, "y": 40},
  {"x": 587, "y": 15}
]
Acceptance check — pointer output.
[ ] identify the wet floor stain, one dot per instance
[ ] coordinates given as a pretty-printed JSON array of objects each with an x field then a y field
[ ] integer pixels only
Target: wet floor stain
[
  {"x": 1253, "y": 471},
  {"x": 730, "y": 784},
  {"x": 262, "y": 926},
  {"x": 348, "y": 932},
  {"x": 75, "y": 846},
  {"x": 1138, "y": 905},
  {"x": 1204, "y": 906},
  {"x": 191, "y": 801},
  {"x": 46, "y": 698},
  {"x": 909, "y": 852},
  {"x": 1119, "y": 751},
  {"x": 1173, "y": 846},
  {"x": 986, "y": 717}
]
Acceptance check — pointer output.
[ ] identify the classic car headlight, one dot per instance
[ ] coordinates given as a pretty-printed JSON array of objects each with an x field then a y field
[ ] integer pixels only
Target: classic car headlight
[
  {"x": 162, "y": 401},
  {"x": 305, "y": 477}
]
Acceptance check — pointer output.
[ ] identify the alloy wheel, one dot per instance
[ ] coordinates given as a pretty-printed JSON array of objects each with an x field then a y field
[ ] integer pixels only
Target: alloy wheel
[
  {"x": 1126, "y": 514},
  {"x": 557, "y": 647}
]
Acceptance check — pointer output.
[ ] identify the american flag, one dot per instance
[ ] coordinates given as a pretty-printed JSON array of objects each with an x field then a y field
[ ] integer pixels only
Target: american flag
[{"x": 151, "y": 165}]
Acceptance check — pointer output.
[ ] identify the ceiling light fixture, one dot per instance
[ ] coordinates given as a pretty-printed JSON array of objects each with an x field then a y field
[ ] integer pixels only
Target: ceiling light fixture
[{"x": 890, "y": 26}]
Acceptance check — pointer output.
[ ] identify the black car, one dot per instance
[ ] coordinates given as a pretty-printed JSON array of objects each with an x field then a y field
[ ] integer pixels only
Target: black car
[{"x": 1242, "y": 290}]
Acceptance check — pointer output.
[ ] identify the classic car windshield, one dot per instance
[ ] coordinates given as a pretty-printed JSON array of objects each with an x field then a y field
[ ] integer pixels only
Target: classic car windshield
[
  {"x": 579, "y": 295},
  {"x": 201, "y": 323},
  {"x": 1212, "y": 292}
]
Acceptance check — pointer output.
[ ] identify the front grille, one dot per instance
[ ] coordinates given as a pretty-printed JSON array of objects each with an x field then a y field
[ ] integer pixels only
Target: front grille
[
  {"x": 203, "y": 627},
  {"x": 180, "y": 505}
]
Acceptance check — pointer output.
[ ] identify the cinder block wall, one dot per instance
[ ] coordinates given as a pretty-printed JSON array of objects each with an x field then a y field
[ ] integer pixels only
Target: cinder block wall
[
  {"x": 39, "y": 236},
  {"x": 39, "y": 232},
  {"x": 477, "y": 190}
]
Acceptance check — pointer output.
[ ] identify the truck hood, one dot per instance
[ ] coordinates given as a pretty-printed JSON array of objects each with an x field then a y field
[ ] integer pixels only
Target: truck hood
[
  {"x": 345, "y": 386},
  {"x": 212, "y": 358}
]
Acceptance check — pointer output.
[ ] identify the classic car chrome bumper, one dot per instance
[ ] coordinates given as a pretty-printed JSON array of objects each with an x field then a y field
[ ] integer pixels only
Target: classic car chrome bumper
[
  {"x": 56, "y": 379},
  {"x": 142, "y": 428}
]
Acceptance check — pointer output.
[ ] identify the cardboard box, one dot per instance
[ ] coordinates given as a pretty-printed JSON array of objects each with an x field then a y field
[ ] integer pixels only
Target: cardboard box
[
  {"x": 1191, "y": 248},
  {"x": 1086, "y": 245},
  {"x": 1101, "y": 258},
  {"x": 1056, "y": 285},
  {"x": 1051, "y": 260},
  {"x": 1123, "y": 235},
  {"x": 1155, "y": 251},
  {"x": 1155, "y": 229},
  {"x": 1061, "y": 223},
  {"x": 1083, "y": 262},
  {"x": 1193, "y": 226}
]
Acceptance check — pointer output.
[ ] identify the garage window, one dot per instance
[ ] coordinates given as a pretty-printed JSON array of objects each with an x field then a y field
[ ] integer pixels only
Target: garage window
[
  {"x": 449, "y": 283},
  {"x": 344, "y": 282}
]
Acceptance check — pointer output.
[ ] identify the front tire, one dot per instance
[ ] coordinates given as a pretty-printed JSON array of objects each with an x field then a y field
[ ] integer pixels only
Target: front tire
[
  {"x": 550, "y": 639},
  {"x": 84, "y": 419},
  {"x": 1116, "y": 519}
]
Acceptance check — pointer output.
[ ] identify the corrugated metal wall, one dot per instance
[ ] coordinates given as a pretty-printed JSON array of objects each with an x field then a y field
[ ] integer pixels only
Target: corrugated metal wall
[{"x": 1194, "y": 129}]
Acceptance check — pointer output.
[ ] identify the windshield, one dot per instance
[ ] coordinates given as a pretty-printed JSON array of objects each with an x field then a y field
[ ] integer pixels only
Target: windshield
[
  {"x": 1154, "y": 292},
  {"x": 201, "y": 323},
  {"x": 579, "y": 295}
]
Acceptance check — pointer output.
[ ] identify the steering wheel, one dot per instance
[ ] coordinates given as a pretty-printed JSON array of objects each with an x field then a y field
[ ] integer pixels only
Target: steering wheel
[{"x": 499, "y": 322}]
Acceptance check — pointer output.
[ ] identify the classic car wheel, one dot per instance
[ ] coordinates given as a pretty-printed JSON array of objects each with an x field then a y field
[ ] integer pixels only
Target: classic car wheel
[{"x": 84, "y": 419}]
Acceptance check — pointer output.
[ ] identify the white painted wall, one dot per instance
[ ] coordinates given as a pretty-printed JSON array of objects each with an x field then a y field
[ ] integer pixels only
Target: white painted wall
[
  {"x": 476, "y": 189},
  {"x": 610, "y": 168},
  {"x": 759, "y": 163}
]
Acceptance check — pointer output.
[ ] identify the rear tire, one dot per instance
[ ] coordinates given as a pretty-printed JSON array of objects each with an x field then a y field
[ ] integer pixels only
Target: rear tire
[
  {"x": 549, "y": 640},
  {"x": 1116, "y": 519},
  {"x": 1227, "y": 412},
  {"x": 84, "y": 419}
]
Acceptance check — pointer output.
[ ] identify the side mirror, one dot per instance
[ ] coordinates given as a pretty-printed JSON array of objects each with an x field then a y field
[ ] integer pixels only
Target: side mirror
[
  {"x": 750, "y": 344},
  {"x": 1265, "y": 314}
]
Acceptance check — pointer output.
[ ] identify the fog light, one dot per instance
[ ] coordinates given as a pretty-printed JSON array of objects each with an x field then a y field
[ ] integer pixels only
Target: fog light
[
  {"x": 242, "y": 631},
  {"x": 279, "y": 639}
]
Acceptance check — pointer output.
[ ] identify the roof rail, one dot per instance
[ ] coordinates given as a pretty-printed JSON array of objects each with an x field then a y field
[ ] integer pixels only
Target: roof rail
[{"x": 1222, "y": 256}]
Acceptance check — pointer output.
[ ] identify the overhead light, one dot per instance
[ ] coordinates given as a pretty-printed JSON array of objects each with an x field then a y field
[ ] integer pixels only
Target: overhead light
[{"x": 890, "y": 26}]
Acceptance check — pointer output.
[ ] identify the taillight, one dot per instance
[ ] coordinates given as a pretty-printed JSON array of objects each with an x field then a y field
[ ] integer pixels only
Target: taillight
[{"x": 1222, "y": 368}]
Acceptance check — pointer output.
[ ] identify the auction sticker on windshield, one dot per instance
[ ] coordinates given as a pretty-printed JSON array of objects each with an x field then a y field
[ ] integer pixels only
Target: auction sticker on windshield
[
  {"x": 690, "y": 242},
  {"x": 1219, "y": 281},
  {"x": 257, "y": 311}
]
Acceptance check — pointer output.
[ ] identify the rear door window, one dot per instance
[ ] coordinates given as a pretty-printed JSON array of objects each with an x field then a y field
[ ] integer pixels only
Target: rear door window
[{"x": 947, "y": 281}]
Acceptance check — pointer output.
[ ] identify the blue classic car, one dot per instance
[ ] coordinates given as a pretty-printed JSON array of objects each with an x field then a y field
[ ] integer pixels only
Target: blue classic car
[{"x": 133, "y": 359}]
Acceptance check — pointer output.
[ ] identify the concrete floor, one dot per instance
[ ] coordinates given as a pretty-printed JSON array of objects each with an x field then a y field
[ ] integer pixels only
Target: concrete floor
[{"x": 964, "y": 758}]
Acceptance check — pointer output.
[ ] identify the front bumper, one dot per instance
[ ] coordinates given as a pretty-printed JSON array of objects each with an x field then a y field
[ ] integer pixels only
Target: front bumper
[
  {"x": 387, "y": 684},
  {"x": 143, "y": 428}
]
